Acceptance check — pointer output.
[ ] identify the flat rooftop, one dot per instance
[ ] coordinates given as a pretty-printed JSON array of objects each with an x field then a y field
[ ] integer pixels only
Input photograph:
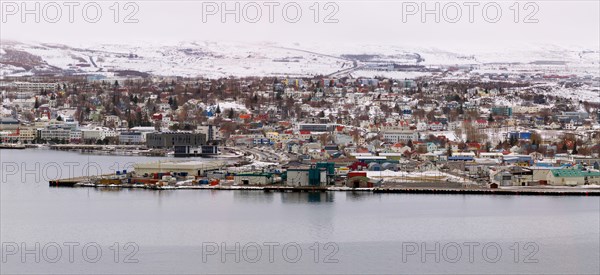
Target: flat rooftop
[{"x": 186, "y": 164}]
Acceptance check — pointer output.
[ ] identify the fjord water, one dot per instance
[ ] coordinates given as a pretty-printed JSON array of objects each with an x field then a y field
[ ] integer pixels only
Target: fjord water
[{"x": 364, "y": 233}]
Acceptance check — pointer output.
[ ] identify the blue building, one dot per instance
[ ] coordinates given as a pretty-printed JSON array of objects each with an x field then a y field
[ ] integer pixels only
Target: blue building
[
  {"x": 262, "y": 141},
  {"x": 502, "y": 111},
  {"x": 461, "y": 158},
  {"x": 519, "y": 135}
]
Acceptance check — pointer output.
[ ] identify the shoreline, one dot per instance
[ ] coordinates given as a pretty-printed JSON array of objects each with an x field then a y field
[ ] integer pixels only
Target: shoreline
[
  {"x": 515, "y": 191},
  {"x": 115, "y": 150}
]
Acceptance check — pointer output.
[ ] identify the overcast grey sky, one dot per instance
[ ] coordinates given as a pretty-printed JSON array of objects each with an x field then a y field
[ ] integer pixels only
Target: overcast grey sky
[{"x": 559, "y": 22}]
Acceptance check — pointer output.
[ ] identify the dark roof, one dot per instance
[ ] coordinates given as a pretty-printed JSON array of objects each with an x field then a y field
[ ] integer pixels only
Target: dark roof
[
  {"x": 460, "y": 158},
  {"x": 8, "y": 120}
]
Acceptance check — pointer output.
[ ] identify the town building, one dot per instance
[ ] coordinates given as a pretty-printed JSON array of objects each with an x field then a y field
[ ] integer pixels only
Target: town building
[
  {"x": 171, "y": 139},
  {"x": 316, "y": 127},
  {"x": 192, "y": 168},
  {"x": 55, "y": 132},
  {"x": 502, "y": 111},
  {"x": 573, "y": 177},
  {"x": 131, "y": 138},
  {"x": 400, "y": 136},
  {"x": 9, "y": 123},
  {"x": 306, "y": 177},
  {"x": 253, "y": 179}
]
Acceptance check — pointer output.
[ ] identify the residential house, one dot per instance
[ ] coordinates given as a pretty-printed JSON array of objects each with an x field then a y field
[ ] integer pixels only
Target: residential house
[{"x": 436, "y": 126}]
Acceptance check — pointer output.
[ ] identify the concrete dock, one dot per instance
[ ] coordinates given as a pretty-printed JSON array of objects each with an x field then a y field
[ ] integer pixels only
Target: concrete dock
[
  {"x": 65, "y": 182},
  {"x": 520, "y": 191},
  {"x": 91, "y": 147},
  {"x": 515, "y": 191}
]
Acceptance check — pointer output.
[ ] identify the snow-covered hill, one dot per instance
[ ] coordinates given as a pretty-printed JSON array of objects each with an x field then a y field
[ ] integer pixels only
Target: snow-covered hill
[
  {"x": 186, "y": 59},
  {"x": 222, "y": 59}
]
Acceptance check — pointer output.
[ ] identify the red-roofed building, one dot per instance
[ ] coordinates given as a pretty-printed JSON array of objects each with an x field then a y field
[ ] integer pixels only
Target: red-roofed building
[
  {"x": 262, "y": 117},
  {"x": 284, "y": 123},
  {"x": 362, "y": 150},
  {"x": 481, "y": 123},
  {"x": 436, "y": 126},
  {"x": 157, "y": 117},
  {"x": 474, "y": 146},
  {"x": 304, "y": 135}
]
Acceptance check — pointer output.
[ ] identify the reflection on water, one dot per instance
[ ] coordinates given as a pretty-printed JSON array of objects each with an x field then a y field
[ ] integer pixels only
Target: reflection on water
[
  {"x": 253, "y": 196},
  {"x": 310, "y": 197},
  {"x": 360, "y": 196},
  {"x": 109, "y": 189},
  {"x": 170, "y": 226}
]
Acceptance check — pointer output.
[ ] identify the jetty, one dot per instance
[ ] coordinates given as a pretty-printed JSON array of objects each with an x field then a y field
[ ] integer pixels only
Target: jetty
[
  {"x": 75, "y": 181},
  {"x": 12, "y": 146},
  {"x": 102, "y": 182},
  {"x": 69, "y": 182},
  {"x": 93, "y": 147},
  {"x": 524, "y": 191}
]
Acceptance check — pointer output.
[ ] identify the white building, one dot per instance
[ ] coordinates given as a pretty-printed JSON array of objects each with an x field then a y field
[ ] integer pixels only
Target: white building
[
  {"x": 454, "y": 125},
  {"x": 570, "y": 125},
  {"x": 436, "y": 126},
  {"x": 98, "y": 133},
  {"x": 131, "y": 138},
  {"x": 490, "y": 155},
  {"x": 76, "y": 135},
  {"x": 55, "y": 132},
  {"x": 34, "y": 86},
  {"x": 400, "y": 136}
]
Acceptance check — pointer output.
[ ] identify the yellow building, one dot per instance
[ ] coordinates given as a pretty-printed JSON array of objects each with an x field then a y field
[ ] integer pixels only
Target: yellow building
[{"x": 27, "y": 134}]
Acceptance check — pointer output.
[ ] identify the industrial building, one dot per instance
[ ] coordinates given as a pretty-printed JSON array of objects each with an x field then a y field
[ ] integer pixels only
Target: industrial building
[
  {"x": 167, "y": 140},
  {"x": 316, "y": 127},
  {"x": 320, "y": 174},
  {"x": 191, "y": 151},
  {"x": 254, "y": 179},
  {"x": 573, "y": 177},
  {"x": 192, "y": 168}
]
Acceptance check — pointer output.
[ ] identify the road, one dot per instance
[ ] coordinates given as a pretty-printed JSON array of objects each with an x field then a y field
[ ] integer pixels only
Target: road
[
  {"x": 341, "y": 72},
  {"x": 263, "y": 154},
  {"x": 345, "y": 72}
]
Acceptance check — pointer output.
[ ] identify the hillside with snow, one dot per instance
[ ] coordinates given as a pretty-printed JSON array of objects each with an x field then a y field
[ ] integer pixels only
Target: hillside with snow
[
  {"x": 224, "y": 59},
  {"x": 193, "y": 59}
]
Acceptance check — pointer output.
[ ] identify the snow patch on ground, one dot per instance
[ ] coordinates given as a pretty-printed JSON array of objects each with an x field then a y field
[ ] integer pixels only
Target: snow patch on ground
[
  {"x": 403, "y": 176},
  {"x": 389, "y": 74}
]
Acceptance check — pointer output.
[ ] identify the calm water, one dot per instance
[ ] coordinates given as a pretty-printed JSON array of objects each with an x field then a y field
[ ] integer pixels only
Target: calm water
[{"x": 182, "y": 231}]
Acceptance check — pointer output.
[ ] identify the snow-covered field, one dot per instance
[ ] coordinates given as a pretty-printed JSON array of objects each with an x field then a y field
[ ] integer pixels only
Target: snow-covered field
[
  {"x": 224, "y": 106},
  {"x": 188, "y": 59},
  {"x": 223, "y": 59},
  {"x": 390, "y": 74},
  {"x": 576, "y": 94}
]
